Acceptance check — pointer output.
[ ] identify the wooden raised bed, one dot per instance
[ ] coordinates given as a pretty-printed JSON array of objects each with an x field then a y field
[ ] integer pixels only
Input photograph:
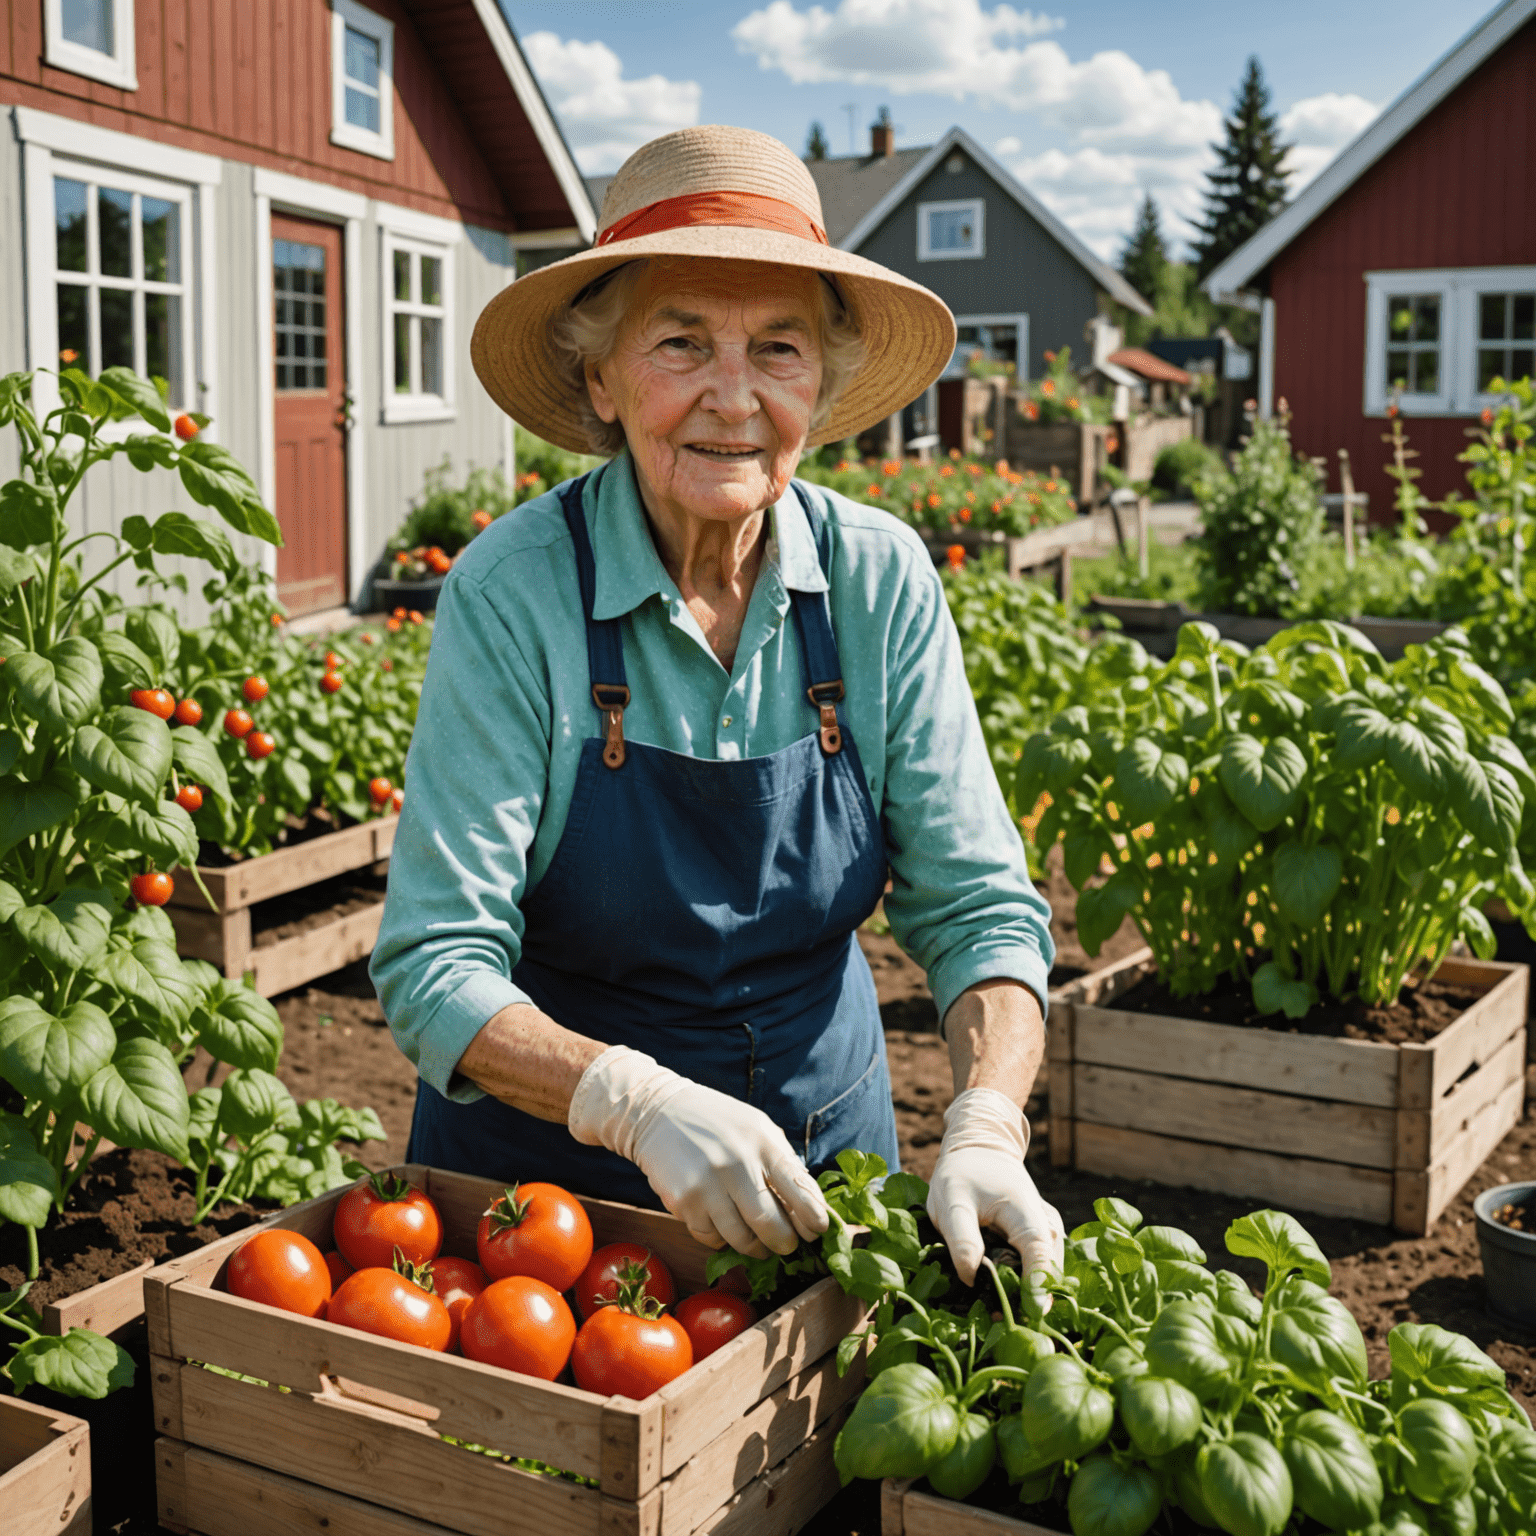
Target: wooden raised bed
[
  {"x": 45, "y": 1471},
  {"x": 224, "y": 937},
  {"x": 740, "y": 1444},
  {"x": 1383, "y": 1132},
  {"x": 904, "y": 1511}
]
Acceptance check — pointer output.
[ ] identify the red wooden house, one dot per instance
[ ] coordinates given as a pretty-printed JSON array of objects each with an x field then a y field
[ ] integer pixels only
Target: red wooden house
[
  {"x": 292, "y": 210},
  {"x": 1406, "y": 272}
]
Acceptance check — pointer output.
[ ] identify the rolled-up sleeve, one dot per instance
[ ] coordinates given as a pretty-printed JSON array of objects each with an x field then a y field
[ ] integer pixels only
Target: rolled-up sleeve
[
  {"x": 961, "y": 903},
  {"x": 476, "y": 776}
]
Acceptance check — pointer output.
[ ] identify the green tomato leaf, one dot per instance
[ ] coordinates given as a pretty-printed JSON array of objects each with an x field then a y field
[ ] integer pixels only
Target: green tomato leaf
[
  {"x": 129, "y": 753},
  {"x": 214, "y": 477},
  {"x": 1147, "y": 779},
  {"x": 161, "y": 831},
  {"x": 16, "y": 568},
  {"x": 1199, "y": 1348},
  {"x": 968, "y": 1462},
  {"x": 175, "y": 533},
  {"x": 151, "y": 973},
  {"x": 156, "y": 633},
  {"x": 1282, "y": 1243},
  {"x": 203, "y": 1118},
  {"x": 238, "y": 1025},
  {"x": 903, "y": 1424},
  {"x": 1480, "y": 686},
  {"x": 255, "y": 1101},
  {"x": 1048, "y": 764},
  {"x": 139, "y": 1100},
  {"x": 1264, "y": 781},
  {"x": 1361, "y": 734},
  {"x": 71, "y": 931},
  {"x": 904, "y": 1191},
  {"x": 28, "y": 1183},
  {"x": 1113, "y": 1498},
  {"x": 139, "y": 394},
  {"x": 51, "y": 1059},
  {"x": 1414, "y": 758},
  {"x": 1305, "y": 880},
  {"x": 1442, "y": 1361},
  {"x": 58, "y": 690},
  {"x": 198, "y": 759},
  {"x": 1160, "y": 1243},
  {"x": 1274, "y": 992},
  {"x": 1246, "y": 1486},
  {"x": 1102, "y": 908},
  {"x": 1235, "y": 1299},
  {"x": 1487, "y": 800},
  {"x": 27, "y": 808},
  {"x": 29, "y": 514},
  {"x": 126, "y": 665},
  {"x": 80, "y": 1364},
  {"x": 1332, "y": 1471}
]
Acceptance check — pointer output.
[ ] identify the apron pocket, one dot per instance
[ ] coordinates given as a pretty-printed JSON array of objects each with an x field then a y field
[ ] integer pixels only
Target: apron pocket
[{"x": 861, "y": 1116}]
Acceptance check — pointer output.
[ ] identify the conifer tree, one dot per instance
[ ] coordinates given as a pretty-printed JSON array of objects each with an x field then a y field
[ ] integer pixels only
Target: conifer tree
[
  {"x": 816, "y": 144},
  {"x": 1248, "y": 186},
  {"x": 1145, "y": 255}
]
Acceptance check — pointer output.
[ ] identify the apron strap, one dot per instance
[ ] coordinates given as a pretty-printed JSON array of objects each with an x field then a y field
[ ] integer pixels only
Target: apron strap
[
  {"x": 823, "y": 667},
  {"x": 605, "y": 639}
]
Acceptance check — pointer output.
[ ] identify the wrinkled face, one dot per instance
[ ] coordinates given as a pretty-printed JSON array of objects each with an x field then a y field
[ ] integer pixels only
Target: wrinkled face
[{"x": 714, "y": 377}]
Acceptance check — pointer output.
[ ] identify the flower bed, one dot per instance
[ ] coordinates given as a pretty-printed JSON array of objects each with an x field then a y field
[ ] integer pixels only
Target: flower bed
[{"x": 45, "y": 1471}]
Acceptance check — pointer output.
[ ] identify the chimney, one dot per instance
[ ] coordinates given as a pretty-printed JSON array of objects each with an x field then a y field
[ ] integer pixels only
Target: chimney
[{"x": 882, "y": 134}]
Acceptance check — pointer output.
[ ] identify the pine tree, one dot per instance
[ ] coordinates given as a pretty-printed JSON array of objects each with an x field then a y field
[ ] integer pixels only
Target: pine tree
[
  {"x": 816, "y": 144},
  {"x": 1247, "y": 188},
  {"x": 1144, "y": 257}
]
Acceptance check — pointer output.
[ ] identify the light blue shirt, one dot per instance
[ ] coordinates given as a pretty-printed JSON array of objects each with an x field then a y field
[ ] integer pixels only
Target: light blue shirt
[{"x": 507, "y": 703}]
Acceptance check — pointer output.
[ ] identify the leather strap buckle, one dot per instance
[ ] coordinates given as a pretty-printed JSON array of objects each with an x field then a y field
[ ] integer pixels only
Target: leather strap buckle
[
  {"x": 612, "y": 701},
  {"x": 826, "y": 697}
]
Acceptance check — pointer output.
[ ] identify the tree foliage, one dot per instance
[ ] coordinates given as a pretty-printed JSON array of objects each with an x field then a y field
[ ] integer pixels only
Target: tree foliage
[
  {"x": 816, "y": 147},
  {"x": 1145, "y": 254}
]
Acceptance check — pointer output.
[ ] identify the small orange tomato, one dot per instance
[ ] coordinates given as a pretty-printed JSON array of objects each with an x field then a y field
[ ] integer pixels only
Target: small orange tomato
[
  {"x": 397, "y": 799},
  {"x": 417, "y": 618},
  {"x": 153, "y": 889},
  {"x": 480, "y": 519},
  {"x": 153, "y": 701},
  {"x": 332, "y": 661},
  {"x": 238, "y": 722},
  {"x": 367, "y": 639},
  {"x": 331, "y": 682},
  {"x": 277, "y": 618},
  {"x": 254, "y": 688},
  {"x": 456, "y": 1283},
  {"x": 259, "y": 745},
  {"x": 379, "y": 790},
  {"x": 189, "y": 712},
  {"x": 190, "y": 798},
  {"x": 186, "y": 428},
  {"x": 391, "y": 625}
]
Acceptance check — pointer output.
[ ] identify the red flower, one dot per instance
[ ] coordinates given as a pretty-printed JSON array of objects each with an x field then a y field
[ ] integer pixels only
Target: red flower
[
  {"x": 1487, "y": 416},
  {"x": 955, "y": 554}
]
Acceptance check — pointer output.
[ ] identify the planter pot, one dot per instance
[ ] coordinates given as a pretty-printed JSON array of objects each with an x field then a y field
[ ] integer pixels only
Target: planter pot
[
  {"x": 224, "y": 937},
  {"x": 1073, "y": 450},
  {"x": 420, "y": 595},
  {"x": 360, "y": 1441},
  {"x": 1509, "y": 1257},
  {"x": 1381, "y": 1132},
  {"x": 45, "y": 1471},
  {"x": 907, "y": 1509}
]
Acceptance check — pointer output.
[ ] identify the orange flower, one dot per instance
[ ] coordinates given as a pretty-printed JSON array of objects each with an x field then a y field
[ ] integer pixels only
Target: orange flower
[
  {"x": 68, "y": 355},
  {"x": 391, "y": 623},
  {"x": 970, "y": 496},
  {"x": 974, "y": 471},
  {"x": 1034, "y": 517},
  {"x": 954, "y": 453},
  {"x": 997, "y": 506},
  {"x": 401, "y": 558},
  {"x": 873, "y": 490},
  {"x": 1048, "y": 387},
  {"x": 1487, "y": 416},
  {"x": 1033, "y": 498},
  {"x": 399, "y": 613},
  {"x": 934, "y": 498},
  {"x": 1391, "y": 412},
  {"x": 955, "y": 554},
  {"x": 1072, "y": 402},
  {"x": 945, "y": 471},
  {"x": 965, "y": 514},
  {"x": 1002, "y": 466},
  {"x": 481, "y": 519},
  {"x": 277, "y": 618},
  {"x": 891, "y": 467},
  {"x": 1050, "y": 485},
  {"x": 1111, "y": 443},
  {"x": 1050, "y": 357},
  {"x": 417, "y": 618},
  {"x": 1032, "y": 411}
]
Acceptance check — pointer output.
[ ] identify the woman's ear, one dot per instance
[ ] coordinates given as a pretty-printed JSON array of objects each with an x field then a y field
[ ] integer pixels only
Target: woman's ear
[{"x": 602, "y": 398}]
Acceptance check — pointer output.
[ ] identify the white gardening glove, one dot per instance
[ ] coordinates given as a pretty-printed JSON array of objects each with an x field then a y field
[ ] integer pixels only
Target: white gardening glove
[
  {"x": 719, "y": 1165},
  {"x": 979, "y": 1181}
]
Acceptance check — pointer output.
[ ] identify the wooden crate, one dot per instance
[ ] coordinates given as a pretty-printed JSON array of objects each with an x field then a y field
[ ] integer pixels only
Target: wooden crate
[
  {"x": 224, "y": 937},
  {"x": 905, "y": 1511},
  {"x": 1386, "y": 1133},
  {"x": 740, "y": 1444},
  {"x": 45, "y": 1471}
]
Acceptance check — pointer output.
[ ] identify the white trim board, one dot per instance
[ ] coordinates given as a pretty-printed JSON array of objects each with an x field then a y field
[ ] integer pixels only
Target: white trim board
[
  {"x": 309, "y": 197},
  {"x": 1357, "y": 157},
  {"x": 1102, "y": 273},
  {"x": 106, "y": 146},
  {"x": 417, "y": 226}
]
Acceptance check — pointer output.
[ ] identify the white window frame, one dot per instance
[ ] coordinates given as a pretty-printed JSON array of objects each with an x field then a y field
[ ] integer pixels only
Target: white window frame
[
  {"x": 1020, "y": 323},
  {"x": 1459, "y": 291},
  {"x": 117, "y": 68},
  {"x": 418, "y": 234},
  {"x": 975, "y": 206},
  {"x": 344, "y": 14}
]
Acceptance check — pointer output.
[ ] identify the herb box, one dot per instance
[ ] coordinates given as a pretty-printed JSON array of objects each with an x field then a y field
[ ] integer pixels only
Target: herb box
[
  {"x": 1383, "y": 1132},
  {"x": 362, "y": 1437},
  {"x": 45, "y": 1471},
  {"x": 224, "y": 936},
  {"x": 905, "y": 1511}
]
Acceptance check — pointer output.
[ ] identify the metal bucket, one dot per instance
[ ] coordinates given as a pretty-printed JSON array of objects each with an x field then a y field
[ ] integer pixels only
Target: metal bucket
[{"x": 1509, "y": 1257}]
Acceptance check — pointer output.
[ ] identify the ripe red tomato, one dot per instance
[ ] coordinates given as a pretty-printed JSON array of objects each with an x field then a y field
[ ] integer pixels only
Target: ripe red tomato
[
  {"x": 154, "y": 701},
  {"x": 186, "y": 428},
  {"x": 618, "y": 1352},
  {"x": 396, "y": 799},
  {"x": 281, "y": 1269},
  {"x": 189, "y": 712},
  {"x": 600, "y": 1279},
  {"x": 331, "y": 682},
  {"x": 339, "y": 1268},
  {"x": 735, "y": 1280},
  {"x": 393, "y": 1306},
  {"x": 379, "y": 790},
  {"x": 190, "y": 798},
  {"x": 712, "y": 1318},
  {"x": 153, "y": 889},
  {"x": 381, "y": 1214},
  {"x": 332, "y": 661},
  {"x": 238, "y": 722},
  {"x": 254, "y": 688},
  {"x": 520, "y": 1324},
  {"x": 259, "y": 744},
  {"x": 538, "y": 1230},
  {"x": 456, "y": 1283}
]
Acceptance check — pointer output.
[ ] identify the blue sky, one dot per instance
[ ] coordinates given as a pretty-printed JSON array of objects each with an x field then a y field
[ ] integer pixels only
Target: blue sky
[{"x": 1090, "y": 105}]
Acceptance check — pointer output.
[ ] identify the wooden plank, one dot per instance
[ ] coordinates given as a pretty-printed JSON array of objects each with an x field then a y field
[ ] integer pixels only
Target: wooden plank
[
  {"x": 220, "y": 1496},
  {"x": 372, "y": 1454},
  {"x": 462, "y": 1398},
  {"x": 1298, "y": 1183},
  {"x": 631, "y": 1439},
  {"x": 165, "y": 1390},
  {"x": 1235, "y": 1117},
  {"x": 755, "y": 1443},
  {"x": 1059, "y": 1076},
  {"x": 893, "y": 1492},
  {"x": 926, "y": 1514},
  {"x": 1423, "y": 1133},
  {"x": 704, "y": 1402},
  {"x": 780, "y": 1501},
  {"x": 1419, "y": 1198},
  {"x": 1101, "y": 986},
  {"x": 104, "y": 1307},
  {"x": 1350, "y": 1071},
  {"x": 1479, "y": 1033},
  {"x": 45, "y": 1471},
  {"x": 171, "y": 1502},
  {"x": 221, "y": 938},
  {"x": 317, "y": 952}
]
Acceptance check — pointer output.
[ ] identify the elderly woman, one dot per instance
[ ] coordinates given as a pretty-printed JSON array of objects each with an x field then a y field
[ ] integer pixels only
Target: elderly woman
[{"x": 684, "y": 719}]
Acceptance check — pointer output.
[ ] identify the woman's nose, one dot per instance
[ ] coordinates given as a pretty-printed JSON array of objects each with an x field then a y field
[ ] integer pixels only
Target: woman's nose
[{"x": 730, "y": 393}]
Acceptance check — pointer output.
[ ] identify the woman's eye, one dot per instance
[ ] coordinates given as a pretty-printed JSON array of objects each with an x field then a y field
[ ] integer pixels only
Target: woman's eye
[
  {"x": 782, "y": 349},
  {"x": 678, "y": 343}
]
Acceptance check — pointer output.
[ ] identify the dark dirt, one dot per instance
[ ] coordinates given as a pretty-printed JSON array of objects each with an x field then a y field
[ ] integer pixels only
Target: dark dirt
[
  {"x": 285, "y": 917},
  {"x": 1517, "y": 1215},
  {"x": 1421, "y": 1011},
  {"x": 317, "y": 823}
]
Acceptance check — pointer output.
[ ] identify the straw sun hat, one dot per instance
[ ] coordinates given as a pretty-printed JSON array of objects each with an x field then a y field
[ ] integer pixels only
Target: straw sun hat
[{"x": 734, "y": 195}]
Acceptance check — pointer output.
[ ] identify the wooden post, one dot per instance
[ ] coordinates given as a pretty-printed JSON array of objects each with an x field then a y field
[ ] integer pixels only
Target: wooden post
[
  {"x": 1347, "y": 485},
  {"x": 894, "y": 446},
  {"x": 1143, "y": 554}
]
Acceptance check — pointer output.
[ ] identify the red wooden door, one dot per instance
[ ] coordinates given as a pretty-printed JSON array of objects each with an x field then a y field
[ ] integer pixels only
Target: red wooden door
[{"x": 308, "y": 414}]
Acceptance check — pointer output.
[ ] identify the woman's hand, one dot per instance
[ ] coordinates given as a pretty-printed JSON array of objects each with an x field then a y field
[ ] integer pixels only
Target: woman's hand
[{"x": 721, "y": 1166}]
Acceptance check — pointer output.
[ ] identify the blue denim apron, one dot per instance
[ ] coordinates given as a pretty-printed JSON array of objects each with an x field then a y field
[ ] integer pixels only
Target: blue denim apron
[{"x": 702, "y": 912}]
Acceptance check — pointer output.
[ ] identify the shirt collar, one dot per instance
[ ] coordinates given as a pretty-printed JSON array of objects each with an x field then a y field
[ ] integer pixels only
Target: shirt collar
[{"x": 629, "y": 571}]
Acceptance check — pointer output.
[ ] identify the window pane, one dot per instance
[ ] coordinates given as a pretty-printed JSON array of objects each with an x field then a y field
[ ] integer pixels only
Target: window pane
[
  {"x": 1490, "y": 310},
  {"x": 402, "y": 354},
  {"x": 162, "y": 341},
  {"x": 317, "y": 372},
  {"x": 1400, "y": 317},
  {"x": 299, "y": 321},
  {"x": 431, "y": 280},
  {"x": 431, "y": 357},
  {"x": 362, "y": 58},
  {"x": 162, "y": 240},
  {"x": 69, "y": 223},
  {"x": 116, "y": 328},
  {"x": 1426, "y": 318},
  {"x": 114, "y": 216},
  {"x": 1490, "y": 366},
  {"x": 1397, "y": 370},
  {"x": 362, "y": 110},
  {"x": 1427, "y": 375},
  {"x": 403, "y": 276},
  {"x": 1520, "y": 363},
  {"x": 950, "y": 230},
  {"x": 282, "y": 376},
  {"x": 1523, "y": 326},
  {"x": 89, "y": 23},
  {"x": 74, "y": 333}
]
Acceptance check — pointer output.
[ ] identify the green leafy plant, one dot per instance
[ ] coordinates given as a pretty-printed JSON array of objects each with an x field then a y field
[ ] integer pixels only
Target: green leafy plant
[
  {"x": 78, "y": 1363},
  {"x": 443, "y": 514},
  {"x": 1181, "y": 466},
  {"x": 1060, "y": 396}
]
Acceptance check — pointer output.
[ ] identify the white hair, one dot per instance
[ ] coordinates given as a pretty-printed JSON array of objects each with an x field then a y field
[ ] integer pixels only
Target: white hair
[{"x": 588, "y": 329}]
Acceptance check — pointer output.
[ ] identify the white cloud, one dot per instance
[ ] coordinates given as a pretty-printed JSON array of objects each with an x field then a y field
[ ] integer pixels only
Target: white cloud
[
  {"x": 606, "y": 117},
  {"x": 1008, "y": 146},
  {"x": 1319, "y": 127}
]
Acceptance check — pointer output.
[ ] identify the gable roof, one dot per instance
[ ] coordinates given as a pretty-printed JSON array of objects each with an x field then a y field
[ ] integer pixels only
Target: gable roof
[
  {"x": 1142, "y": 362},
  {"x": 923, "y": 163},
  {"x": 850, "y": 185},
  {"x": 1341, "y": 173}
]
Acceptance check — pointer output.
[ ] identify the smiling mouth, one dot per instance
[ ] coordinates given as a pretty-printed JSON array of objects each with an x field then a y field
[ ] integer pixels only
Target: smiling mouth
[{"x": 722, "y": 455}]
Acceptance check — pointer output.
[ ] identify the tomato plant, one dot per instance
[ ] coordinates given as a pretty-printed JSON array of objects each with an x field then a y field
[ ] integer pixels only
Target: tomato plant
[
  {"x": 281, "y": 1269},
  {"x": 395, "y": 1303},
  {"x": 537, "y": 1230},
  {"x": 599, "y": 1281},
  {"x": 520, "y": 1324},
  {"x": 381, "y": 1214},
  {"x": 712, "y": 1318}
]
